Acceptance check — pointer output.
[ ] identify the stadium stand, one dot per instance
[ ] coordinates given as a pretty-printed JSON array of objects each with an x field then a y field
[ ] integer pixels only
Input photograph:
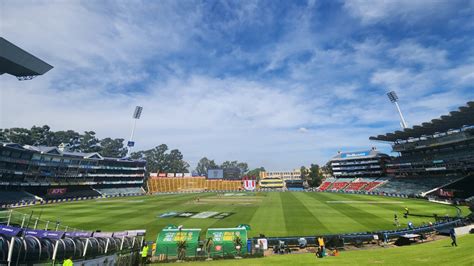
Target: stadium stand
[
  {"x": 412, "y": 186},
  {"x": 369, "y": 163},
  {"x": 56, "y": 173},
  {"x": 294, "y": 185},
  {"x": 120, "y": 191},
  {"x": 271, "y": 183},
  {"x": 14, "y": 196},
  {"x": 434, "y": 155}
]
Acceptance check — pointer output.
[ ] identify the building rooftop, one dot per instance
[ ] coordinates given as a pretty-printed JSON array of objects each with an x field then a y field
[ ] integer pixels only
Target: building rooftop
[
  {"x": 373, "y": 153},
  {"x": 17, "y": 62},
  {"x": 454, "y": 120}
]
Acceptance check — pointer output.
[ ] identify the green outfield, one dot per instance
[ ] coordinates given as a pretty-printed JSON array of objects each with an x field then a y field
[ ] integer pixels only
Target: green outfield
[
  {"x": 272, "y": 213},
  {"x": 433, "y": 253}
]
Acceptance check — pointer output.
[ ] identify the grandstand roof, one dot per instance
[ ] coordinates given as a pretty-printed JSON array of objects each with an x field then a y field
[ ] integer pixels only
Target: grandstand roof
[
  {"x": 59, "y": 152},
  {"x": 17, "y": 62},
  {"x": 341, "y": 156},
  {"x": 454, "y": 120}
]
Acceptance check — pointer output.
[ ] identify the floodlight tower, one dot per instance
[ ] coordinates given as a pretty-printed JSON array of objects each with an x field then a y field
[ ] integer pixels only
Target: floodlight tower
[
  {"x": 135, "y": 117},
  {"x": 392, "y": 96}
]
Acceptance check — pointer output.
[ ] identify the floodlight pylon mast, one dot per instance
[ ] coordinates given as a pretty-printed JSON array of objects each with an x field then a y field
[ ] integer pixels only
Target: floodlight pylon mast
[
  {"x": 136, "y": 115},
  {"x": 392, "y": 96}
]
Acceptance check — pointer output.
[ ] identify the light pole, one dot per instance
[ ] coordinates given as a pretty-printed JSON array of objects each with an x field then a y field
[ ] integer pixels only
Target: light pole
[
  {"x": 136, "y": 115},
  {"x": 392, "y": 96}
]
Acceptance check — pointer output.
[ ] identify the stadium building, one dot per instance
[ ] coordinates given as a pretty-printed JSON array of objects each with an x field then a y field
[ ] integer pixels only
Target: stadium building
[
  {"x": 359, "y": 164},
  {"x": 436, "y": 157},
  {"x": 39, "y": 172},
  {"x": 285, "y": 175},
  {"x": 271, "y": 183},
  {"x": 291, "y": 179},
  {"x": 356, "y": 171}
]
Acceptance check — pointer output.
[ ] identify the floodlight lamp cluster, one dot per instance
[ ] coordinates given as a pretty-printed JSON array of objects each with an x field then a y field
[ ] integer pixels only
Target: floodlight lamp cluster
[
  {"x": 21, "y": 78},
  {"x": 392, "y": 96}
]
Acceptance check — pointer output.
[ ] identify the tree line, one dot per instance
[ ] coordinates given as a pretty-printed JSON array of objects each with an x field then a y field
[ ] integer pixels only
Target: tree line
[{"x": 159, "y": 159}]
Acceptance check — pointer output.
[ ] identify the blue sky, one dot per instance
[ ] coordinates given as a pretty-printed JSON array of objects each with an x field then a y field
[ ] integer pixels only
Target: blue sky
[{"x": 277, "y": 84}]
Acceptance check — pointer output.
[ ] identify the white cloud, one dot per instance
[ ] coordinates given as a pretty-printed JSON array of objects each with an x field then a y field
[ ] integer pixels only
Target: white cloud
[
  {"x": 108, "y": 59},
  {"x": 372, "y": 11}
]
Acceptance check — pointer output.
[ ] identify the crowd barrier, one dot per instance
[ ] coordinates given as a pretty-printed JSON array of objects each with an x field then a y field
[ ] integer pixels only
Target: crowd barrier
[
  {"x": 24, "y": 246},
  {"x": 356, "y": 239}
]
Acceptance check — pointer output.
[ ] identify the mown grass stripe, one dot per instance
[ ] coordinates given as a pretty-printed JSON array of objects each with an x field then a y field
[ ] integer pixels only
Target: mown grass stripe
[{"x": 298, "y": 218}]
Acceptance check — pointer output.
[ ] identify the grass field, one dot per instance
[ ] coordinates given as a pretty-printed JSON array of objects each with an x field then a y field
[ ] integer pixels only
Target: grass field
[
  {"x": 272, "y": 213},
  {"x": 434, "y": 253}
]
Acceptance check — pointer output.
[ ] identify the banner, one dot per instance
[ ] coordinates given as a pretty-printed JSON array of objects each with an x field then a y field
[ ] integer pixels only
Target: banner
[
  {"x": 45, "y": 234},
  {"x": 168, "y": 239},
  {"x": 9, "y": 230},
  {"x": 57, "y": 191},
  {"x": 250, "y": 185},
  {"x": 225, "y": 240}
]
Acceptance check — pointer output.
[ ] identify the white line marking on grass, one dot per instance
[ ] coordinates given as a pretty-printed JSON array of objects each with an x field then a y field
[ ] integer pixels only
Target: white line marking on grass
[{"x": 364, "y": 202}]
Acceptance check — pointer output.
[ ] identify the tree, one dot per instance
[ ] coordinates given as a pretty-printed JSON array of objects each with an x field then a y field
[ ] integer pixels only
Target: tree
[
  {"x": 112, "y": 148},
  {"x": 327, "y": 169},
  {"x": 204, "y": 165},
  {"x": 41, "y": 136},
  {"x": 155, "y": 158},
  {"x": 303, "y": 173},
  {"x": 18, "y": 135},
  {"x": 89, "y": 142},
  {"x": 256, "y": 172},
  {"x": 174, "y": 162},
  {"x": 243, "y": 167},
  {"x": 159, "y": 161},
  {"x": 70, "y": 137},
  {"x": 314, "y": 176}
]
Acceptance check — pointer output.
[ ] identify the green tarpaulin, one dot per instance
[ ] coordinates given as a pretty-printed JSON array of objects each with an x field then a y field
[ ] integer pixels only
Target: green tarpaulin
[
  {"x": 167, "y": 241},
  {"x": 224, "y": 240}
]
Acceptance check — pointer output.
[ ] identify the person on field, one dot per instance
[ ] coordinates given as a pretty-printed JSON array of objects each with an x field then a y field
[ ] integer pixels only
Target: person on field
[
  {"x": 68, "y": 262},
  {"x": 396, "y": 221},
  {"x": 452, "y": 234},
  {"x": 144, "y": 254}
]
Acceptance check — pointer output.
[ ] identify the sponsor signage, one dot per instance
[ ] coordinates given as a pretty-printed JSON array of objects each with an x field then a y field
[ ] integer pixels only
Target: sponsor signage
[
  {"x": 168, "y": 239},
  {"x": 196, "y": 215},
  {"x": 355, "y": 154},
  {"x": 103, "y": 234},
  {"x": 446, "y": 193},
  {"x": 179, "y": 175},
  {"x": 153, "y": 174},
  {"x": 78, "y": 234},
  {"x": 224, "y": 240},
  {"x": 131, "y": 143},
  {"x": 170, "y": 174},
  {"x": 139, "y": 232},
  {"x": 9, "y": 230},
  {"x": 120, "y": 234},
  {"x": 45, "y": 234},
  {"x": 162, "y": 174},
  {"x": 204, "y": 215},
  {"x": 222, "y": 215},
  {"x": 57, "y": 191},
  {"x": 186, "y": 214},
  {"x": 168, "y": 214}
]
